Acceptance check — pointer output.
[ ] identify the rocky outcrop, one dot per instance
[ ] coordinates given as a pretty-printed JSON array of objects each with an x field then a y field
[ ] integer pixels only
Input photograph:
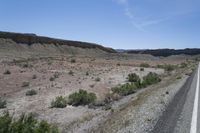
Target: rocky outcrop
[
  {"x": 31, "y": 39},
  {"x": 166, "y": 52}
]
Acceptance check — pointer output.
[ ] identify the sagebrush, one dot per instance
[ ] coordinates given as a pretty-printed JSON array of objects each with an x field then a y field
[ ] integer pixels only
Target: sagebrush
[
  {"x": 2, "y": 103},
  {"x": 82, "y": 97},
  {"x": 25, "y": 124},
  {"x": 59, "y": 102}
]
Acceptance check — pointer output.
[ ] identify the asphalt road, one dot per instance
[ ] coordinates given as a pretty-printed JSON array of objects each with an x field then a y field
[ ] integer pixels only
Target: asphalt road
[{"x": 181, "y": 115}]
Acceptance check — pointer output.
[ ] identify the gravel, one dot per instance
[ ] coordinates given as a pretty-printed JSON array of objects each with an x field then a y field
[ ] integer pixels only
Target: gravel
[{"x": 137, "y": 113}]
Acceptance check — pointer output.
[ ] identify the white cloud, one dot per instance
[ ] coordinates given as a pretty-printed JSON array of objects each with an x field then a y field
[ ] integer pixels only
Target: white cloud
[
  {"x": 140, "y": 24},
  {"x": 129, "y": 14},
  {"x": 134, "y": 21},
  {"x": 153, "y": 22}
]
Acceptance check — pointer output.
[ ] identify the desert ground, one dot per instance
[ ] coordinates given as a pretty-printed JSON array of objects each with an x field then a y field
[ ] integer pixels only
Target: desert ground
[
  {"x": 72, "y": 76},
  {"x": 51, "y": 74}
]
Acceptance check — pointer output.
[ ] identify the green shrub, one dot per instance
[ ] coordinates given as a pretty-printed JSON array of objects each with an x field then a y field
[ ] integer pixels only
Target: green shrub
[
  {"x": 87, "y": 73},
  {"x": 25, "y": 124},
  {"x": 193, "y": 66},
  {"x": 59, "y": 102},
  {"x": 129, "y": 88},
  {"x": 160, "y": 66},
  {"x": 139, "y": 84},
  {"x": 25, "y": 65},
  {"x": 55, "y": 75},
  {"x": 197, "y": 59},
  {"x": 7, "y": 72},
  {"x": 71, "y": 72},
  {"x": 150, "y": 78},
  {"x": 31, "y": 92},
  {"x": 107, "y": 107},
  {"x": 183, "y": 65},
  {"x": 2, "y": 103},
  {"x": 133, "y": 77},
  {"x": 81, "y": 97},
  {"x": 167, "y": 67},
  {"x": 146, "y": 65},
  {"x": 125, "y": 89},
  {"x": 118, "y": 64},
  {"x": 51, "y": 79},
  {"x": 92, "y": 85},
  {"x": 141, "y": 69},
  {"x": 34, "y": 76},
  {"x": 25, "y": 84},
  {"x": 97, "y": 79},
  {"x": 73, "y": 61}
]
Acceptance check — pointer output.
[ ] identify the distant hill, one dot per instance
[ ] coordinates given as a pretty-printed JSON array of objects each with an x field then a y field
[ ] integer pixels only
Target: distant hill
[
  {"x": 33, "y": 38},
  {"x": 47, "y": 45},
  {"x": 166, "y": 52}
]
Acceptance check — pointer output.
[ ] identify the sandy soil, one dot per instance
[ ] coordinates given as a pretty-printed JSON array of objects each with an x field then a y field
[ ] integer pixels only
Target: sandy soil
[{"x": 72, "y": 119}]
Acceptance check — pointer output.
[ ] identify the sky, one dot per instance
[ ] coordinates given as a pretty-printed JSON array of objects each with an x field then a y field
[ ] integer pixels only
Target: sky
[{"x": 120, "y": 24}]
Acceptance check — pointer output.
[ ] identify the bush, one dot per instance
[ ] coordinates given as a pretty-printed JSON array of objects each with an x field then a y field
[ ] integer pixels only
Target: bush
[
  {"x": 125, "y": 89},
  {"x": 25, "y": 124},
  {"x": 107, "y": 107},
  {"x": 197, "y": 59},
  {"x": 150, "y": 78},
  {"x": 87, "y": 73},
  {"x": 71, "y": 72},
  {"x": 81, "y": 98},
  {"x": 167, "y": 67},
  {"x": 144, "y": 65},
  {"x": 118, "y": 64},
  {"x": 129, "y": 88},
  {"x": 25, "y": 84},
  {"x": 97, "y": 79},
  {"x": 160, "y": 66},
  {"x": 139, "y": 84},
  {"x": 2, "y": 103},
  {"x": 92, "y": 86},
  {"x": 59, "y": 102},
  {"x": 25, "y": 65},
  {"x": 51, "y": 79},
  {"x": 133, "y": 77},
  {"x": 73, "y": 61},
  {"x": 183, "y": 65},
  {"x": 193, "y": 66},
  {"x": 7, "y": 72},
  {"x": 55, "y": 75},
  {"x": 31, "y": 92},
  {"x": 34, "y": 76}
]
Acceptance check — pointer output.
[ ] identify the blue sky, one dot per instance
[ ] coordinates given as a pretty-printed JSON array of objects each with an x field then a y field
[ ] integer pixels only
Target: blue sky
[{"x": 121, "y": 24}]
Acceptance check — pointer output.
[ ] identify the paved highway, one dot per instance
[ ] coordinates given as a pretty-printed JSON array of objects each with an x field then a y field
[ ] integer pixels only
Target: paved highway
[{"x": 183, "y": 113}]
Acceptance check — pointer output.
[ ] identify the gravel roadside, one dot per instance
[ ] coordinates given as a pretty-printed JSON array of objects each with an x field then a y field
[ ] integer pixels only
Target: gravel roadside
[{"x": 138, "y": 113}]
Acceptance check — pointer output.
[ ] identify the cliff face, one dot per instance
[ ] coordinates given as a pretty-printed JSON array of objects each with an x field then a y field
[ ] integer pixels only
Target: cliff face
[
  {"x": 166, "y": 52},
  {"x": 18, "y": 44},
  {"x": 30, "y": 45},
  {"x": 32, "y": 39}
]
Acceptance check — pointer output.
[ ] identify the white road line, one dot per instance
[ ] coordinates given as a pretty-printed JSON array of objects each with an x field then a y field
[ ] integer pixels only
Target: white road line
[{"x": 193, "y": 128}]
